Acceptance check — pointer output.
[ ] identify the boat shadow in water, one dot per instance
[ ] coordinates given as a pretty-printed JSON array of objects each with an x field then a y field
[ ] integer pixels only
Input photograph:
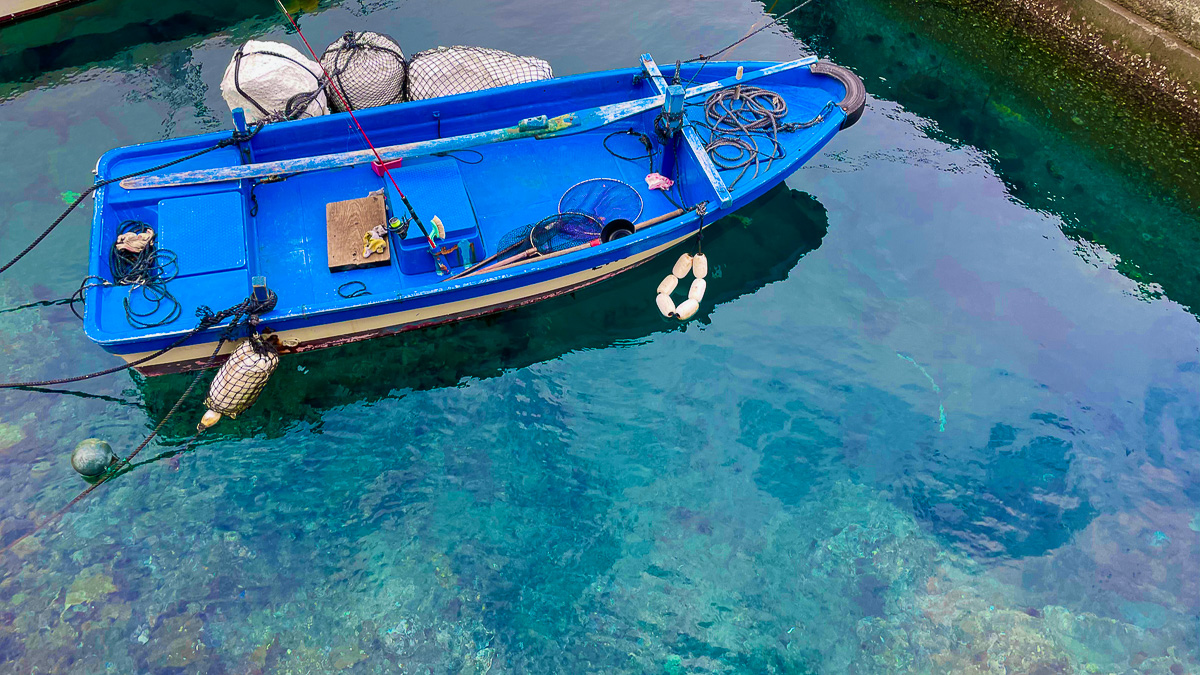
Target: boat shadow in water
[{"x": 754, "y": 247}]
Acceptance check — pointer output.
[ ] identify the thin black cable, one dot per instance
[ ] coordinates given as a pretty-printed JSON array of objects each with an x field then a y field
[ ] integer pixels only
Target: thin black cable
[
  {"x": 451, "y": 155},
  {"x": 359, "y": 290},
  {"x": 646, "y": 143},
  {"x": 237, "y": 137}
]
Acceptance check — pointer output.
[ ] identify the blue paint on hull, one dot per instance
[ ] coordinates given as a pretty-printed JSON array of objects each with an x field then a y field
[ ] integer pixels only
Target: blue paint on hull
[{"x": 280, "y": 226}]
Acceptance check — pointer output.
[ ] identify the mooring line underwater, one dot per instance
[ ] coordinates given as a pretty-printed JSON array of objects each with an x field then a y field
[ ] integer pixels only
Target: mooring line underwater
[{"x": 936, "y": 389}]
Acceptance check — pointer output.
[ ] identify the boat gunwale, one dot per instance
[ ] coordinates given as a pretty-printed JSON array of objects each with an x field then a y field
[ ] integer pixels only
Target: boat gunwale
[{"x": 480, "y": 281}]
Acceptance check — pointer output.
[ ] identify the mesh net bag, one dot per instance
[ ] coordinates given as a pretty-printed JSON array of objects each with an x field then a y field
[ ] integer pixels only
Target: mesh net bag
[
  {"x": 242, "y": 378},
  {"x": 368, "y": 68},
  {"x": 272, "y": 81},
  {"x": 457, "y": 70},
  {"x": 552, "y": 233}
]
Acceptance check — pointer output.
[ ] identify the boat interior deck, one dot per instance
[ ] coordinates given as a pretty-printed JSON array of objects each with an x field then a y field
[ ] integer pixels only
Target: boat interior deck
[{"x": 225, "y": 233}]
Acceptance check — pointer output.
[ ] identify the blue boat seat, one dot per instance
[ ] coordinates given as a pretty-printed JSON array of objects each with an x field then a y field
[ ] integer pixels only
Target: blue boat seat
[
  {"x": 206, "y": 232},
  {"x": 435, "y": 188}
]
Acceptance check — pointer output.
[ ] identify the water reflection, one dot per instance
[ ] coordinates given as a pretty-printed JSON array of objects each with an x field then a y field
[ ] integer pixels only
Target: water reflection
[
  {"x": 1063, "y": 139},
  {"x": 759, "y": 245}
]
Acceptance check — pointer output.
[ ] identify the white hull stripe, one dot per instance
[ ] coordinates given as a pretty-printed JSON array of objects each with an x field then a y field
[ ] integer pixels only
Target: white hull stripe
[{"x": 422, "y": 315}]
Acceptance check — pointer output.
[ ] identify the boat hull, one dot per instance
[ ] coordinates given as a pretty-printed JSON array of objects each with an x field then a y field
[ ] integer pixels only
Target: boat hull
[
  {"x": 228, "y": 232},
  {"x": 299, "y": 340}
]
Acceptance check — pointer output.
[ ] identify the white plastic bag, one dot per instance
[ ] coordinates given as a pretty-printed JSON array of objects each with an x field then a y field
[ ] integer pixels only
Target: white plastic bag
[{"x": 269, "y": 75}]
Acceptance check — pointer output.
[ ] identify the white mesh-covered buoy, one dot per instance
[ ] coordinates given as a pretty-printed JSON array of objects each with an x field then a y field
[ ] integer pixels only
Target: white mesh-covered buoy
[
  {"x": 272, "y": 81},
  {"x": 367, "y": 67},
  {"x": 239, "y": 382},
  {"x": 446, "y": 71}
]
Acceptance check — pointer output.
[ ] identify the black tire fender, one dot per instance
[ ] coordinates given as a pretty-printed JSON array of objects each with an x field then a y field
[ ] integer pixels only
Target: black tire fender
[{"x": 855, "y": 99}]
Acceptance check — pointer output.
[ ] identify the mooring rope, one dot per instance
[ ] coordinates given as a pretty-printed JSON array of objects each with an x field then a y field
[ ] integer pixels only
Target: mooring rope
[
  {"x": 237, "y": 137},
  {"x": 116, "y": 469},
  {"x": 246, "y": 313},
  {"x": 751, "y": 34}
]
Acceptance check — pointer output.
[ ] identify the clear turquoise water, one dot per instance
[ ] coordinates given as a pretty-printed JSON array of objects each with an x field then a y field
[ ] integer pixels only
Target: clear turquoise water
[{"x": 926, "y": 426}]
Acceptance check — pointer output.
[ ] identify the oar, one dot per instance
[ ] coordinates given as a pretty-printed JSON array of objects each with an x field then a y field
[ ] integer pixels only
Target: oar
[{"x": 534, "y": 127}]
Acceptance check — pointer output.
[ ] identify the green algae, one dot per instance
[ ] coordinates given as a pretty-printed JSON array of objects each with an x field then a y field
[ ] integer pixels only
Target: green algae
[
  {"x": 90, "y": 586},
  {"x": 1066, "y": 138}
]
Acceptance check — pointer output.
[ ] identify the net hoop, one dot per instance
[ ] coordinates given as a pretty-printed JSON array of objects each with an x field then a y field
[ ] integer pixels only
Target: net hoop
[{"x": 604, "y": 199}]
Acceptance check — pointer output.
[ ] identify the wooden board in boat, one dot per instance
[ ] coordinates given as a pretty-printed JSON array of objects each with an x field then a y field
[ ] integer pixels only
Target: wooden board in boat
[{"x": 346, "y": 223}]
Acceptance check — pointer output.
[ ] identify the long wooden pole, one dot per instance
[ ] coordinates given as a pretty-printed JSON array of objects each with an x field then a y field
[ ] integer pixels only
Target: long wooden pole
[
  {"x": 530, "y": 255},
  {"x": 572, "y": 123}
]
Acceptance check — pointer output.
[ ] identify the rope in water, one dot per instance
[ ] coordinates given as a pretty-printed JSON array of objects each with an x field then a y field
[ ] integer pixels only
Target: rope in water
[
  {"x": 123, "y": 463},
  {"x": 237, "y": 137},
  {"x": 751, "y": 34},
  {"x": 244, "y": 313}
]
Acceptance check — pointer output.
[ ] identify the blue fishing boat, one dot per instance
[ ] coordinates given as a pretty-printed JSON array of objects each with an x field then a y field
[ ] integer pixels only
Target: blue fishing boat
[{"x": 475, "y": 203}]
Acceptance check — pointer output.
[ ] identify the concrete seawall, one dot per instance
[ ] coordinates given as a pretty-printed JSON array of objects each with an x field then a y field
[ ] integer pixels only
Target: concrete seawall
[{"x": 1154, "y": 44}]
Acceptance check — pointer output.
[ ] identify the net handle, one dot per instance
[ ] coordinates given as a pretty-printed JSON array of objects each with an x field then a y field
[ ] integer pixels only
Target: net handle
[{"x": 520, "y": 260}]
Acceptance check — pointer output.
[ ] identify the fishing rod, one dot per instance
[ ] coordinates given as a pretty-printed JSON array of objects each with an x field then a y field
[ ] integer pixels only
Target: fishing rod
[{"x": 345, "y": 104}]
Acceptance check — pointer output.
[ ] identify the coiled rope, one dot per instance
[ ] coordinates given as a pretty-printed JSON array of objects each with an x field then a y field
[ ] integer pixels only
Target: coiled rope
[
  {"x": 741, "y": 120},
  {"x": 146, "y": 272}
]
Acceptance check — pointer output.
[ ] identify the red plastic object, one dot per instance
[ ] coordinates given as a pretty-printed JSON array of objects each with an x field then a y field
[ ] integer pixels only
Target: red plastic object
[{"x": 380, "y": 169}]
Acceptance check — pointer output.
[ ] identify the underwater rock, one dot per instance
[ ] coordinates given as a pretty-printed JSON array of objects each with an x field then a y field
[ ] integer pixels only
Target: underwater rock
[
  {"x": 344, "y": 657},
  {"x": 89, "y": 587},
  {"x": 1023, "y": 504},
  {"x": 10, "y": 435},
  {"x": 177, "y": 643}
]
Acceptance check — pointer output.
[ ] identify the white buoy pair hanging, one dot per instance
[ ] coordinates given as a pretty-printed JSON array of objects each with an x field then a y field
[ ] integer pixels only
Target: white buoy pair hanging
[{"x": 698, "y": 266}]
